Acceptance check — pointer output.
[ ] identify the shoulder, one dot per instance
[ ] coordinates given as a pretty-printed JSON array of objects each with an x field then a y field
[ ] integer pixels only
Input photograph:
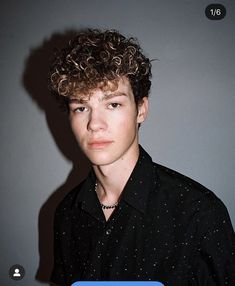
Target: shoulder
[
  {"x": 192, "y": 203},
  {"x": 173, "y": 180},
  {"x": 181, "y": 190}
]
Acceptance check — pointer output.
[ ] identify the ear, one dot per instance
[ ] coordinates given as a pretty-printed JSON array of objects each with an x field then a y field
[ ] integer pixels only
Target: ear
[{"x": 142, "y": 110}]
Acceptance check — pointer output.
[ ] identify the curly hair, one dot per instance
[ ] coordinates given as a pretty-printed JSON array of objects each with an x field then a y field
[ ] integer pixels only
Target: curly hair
[{"x": 95, "y": 58}]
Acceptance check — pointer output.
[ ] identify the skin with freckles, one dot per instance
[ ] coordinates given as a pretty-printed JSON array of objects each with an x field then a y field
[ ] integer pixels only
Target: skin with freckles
[{"x": 106, "y": 128}]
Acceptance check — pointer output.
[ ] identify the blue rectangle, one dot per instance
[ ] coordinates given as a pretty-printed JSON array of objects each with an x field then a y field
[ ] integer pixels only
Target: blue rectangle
[{"x": 117, "y": 283}]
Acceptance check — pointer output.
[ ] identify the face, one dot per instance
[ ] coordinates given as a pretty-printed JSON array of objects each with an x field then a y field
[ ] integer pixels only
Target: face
[{"x": 106, "y": 124}]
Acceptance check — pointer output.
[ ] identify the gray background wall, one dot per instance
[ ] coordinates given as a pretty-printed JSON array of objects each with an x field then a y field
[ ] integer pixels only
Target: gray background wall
[{"x": 190, "y": 126}]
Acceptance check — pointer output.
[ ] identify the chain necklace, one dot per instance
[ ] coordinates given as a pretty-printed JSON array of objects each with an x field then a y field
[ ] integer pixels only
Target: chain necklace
[{"x": 105, "y": 207}]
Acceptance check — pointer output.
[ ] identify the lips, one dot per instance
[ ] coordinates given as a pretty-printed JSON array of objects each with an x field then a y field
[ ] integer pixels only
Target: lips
[{"x": 99, "y": 144}]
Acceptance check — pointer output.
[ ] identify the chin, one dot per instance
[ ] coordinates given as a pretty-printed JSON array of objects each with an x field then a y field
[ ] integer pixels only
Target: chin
[
  {"x": 102, "y": 158},
  {"x": 101, "y": 162},
  {"x": 99, "y": 158}
]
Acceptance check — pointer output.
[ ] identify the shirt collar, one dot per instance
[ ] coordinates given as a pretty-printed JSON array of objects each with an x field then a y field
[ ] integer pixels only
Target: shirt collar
[
  {"x": 139, "y": 184},
  {"x": 87, "y": 198},
  {"x": 135, "y": 192}
]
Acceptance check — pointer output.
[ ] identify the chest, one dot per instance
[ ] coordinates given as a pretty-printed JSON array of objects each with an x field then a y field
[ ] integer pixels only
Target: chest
[{"x": 130, "y": 246}]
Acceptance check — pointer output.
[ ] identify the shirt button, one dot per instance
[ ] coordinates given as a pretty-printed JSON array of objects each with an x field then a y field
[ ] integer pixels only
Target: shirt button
[{"x": 108, "y": 231}]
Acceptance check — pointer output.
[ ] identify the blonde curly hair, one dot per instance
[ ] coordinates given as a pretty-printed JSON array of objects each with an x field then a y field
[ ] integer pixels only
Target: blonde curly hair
[{"x": 93, "y": 59}]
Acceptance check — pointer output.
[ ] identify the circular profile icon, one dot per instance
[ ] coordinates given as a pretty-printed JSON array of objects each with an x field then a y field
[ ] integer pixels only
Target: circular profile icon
[{"x": 16, "y": 272}]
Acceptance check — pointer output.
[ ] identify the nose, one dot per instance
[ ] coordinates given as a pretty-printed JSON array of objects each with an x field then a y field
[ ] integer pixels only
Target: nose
[{"x": 96, "y": 121}]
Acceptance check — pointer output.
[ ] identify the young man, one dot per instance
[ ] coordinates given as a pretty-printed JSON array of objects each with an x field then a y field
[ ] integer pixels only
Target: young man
[{"x": 131, "y": 219}]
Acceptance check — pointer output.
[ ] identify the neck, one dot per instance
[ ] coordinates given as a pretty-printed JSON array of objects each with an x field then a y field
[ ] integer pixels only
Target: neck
[{"x": 111, "y": 179}]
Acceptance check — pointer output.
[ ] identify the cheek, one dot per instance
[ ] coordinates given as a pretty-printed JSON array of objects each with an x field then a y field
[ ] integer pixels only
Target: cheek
[
  {"x": 126, "y": 117},
  {"x": 126, "y": 127},
  {"x": 77, "y": 129},
  {"x": 129, "y": 121}
]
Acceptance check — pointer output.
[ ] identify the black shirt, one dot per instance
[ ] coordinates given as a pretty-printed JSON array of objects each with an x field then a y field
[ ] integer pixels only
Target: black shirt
[{"x": 166, "y": 228}]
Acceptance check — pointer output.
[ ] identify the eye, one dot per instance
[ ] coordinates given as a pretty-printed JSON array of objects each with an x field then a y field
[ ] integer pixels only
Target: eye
[
  {"x": 80, "y": 109},
  {"x": 114, "y": 105}
]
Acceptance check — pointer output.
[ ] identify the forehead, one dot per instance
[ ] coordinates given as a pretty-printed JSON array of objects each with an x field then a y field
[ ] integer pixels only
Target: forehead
[{"x": 120, "y": 86}]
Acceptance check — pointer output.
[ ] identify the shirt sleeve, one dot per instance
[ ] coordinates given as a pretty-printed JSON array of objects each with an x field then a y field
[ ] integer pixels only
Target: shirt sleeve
[{"x": 215, "y": 264}]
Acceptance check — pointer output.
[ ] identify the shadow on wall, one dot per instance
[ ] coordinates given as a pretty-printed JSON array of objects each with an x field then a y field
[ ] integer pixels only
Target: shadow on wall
[{"x": 35, "y": 81}]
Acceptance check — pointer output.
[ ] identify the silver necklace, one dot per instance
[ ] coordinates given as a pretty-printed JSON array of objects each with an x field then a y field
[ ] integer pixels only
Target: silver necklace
[{"x": 105, "y": 207}]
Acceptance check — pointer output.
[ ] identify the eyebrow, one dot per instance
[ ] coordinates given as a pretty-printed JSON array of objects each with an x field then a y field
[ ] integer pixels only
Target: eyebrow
[
  {"x": 111, "y": 95},
  {"x": 76, "y": 100},
  {"x": 105, "y": 97}
]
